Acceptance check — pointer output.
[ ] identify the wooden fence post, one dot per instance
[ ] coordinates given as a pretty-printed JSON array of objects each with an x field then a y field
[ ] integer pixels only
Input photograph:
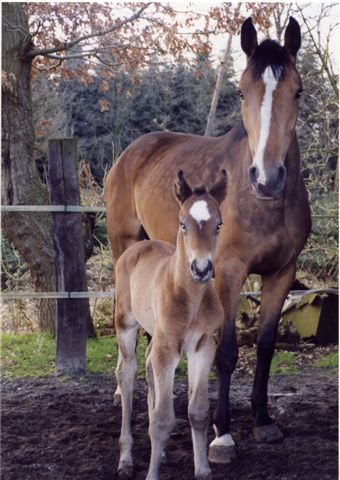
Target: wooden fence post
[{"x": 69, "y": 258}]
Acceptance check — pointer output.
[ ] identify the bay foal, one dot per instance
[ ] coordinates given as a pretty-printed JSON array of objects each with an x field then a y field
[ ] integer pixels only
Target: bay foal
[{"x": 169, "y": 292}]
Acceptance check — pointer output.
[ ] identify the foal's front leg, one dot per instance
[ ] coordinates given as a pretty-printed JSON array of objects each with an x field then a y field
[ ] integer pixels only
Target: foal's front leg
[
  {"x": 126, "y": 374},
  {"x": 200, "y": 360},
  {"x": 164, "y": 359}
]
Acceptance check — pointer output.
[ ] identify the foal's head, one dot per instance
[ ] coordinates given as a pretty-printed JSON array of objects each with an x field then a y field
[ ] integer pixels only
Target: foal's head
[
  {"x": 270, "y": 88},
  {"x": 200, "y": 222}
]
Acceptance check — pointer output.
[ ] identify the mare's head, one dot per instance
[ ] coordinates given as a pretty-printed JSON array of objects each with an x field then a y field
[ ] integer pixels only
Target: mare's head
[
  {"x": 200, "y": 222},
  {"x": 270, "y": 88}
]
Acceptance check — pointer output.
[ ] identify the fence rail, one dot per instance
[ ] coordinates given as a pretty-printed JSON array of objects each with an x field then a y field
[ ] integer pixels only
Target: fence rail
[
  {"x": 110, "y": 294},
  {"x": 80, "y": 209},
  {"x": 52, "y": 208}
]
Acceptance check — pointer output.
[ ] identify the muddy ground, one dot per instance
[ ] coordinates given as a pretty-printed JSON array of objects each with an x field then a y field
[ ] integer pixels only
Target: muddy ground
[{"x": 55, "y": 429}]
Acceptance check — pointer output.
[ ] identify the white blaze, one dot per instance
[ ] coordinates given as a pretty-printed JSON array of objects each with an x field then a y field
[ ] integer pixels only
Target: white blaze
[
  {"x": 270, "y": 84},
  {"x": 200, "y": 211}
]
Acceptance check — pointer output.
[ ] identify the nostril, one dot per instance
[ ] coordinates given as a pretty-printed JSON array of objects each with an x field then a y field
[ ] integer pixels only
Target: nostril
[
  {"x": 253, "y": 173},
  {"x": 201, "y": 269}
]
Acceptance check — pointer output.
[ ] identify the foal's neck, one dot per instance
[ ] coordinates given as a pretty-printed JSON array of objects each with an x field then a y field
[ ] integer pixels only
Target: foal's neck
[{"x": 180, "y": 271}]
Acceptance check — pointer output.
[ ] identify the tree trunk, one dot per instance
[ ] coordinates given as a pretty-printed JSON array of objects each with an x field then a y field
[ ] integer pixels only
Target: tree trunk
[
  {"x": 29, "y": 232},
  {"x": 209, "y": 129}
]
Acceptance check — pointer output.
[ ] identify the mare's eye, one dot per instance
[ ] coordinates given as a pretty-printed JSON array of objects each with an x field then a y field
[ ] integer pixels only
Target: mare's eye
[
  {"x": 298, "y": 93},
  {"x": 183, "y": 227},
  {"x": 219, "y": 226},
  {"x": 240, "y": 94}
]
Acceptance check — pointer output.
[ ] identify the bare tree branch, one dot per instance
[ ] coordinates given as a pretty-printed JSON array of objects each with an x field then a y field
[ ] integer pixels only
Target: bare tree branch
[
  {"x": 66, "y": 46},
  {"x": 320, "y": 54}
]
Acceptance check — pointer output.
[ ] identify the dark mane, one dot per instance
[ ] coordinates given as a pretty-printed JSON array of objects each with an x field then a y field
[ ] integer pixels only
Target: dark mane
[{"x": 269, "y": 53}]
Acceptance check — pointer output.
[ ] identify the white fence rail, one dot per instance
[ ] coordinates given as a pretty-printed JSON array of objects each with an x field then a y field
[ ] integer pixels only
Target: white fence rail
[
  {"x": 52, "y": 208},
  {"x": 100, "y": 294},
  {"x": 110, "y": 294}
]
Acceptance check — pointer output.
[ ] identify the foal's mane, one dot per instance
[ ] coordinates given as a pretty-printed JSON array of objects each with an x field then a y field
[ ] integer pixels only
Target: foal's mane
[
  {"x": 269, "y": 54},
  {"x": 199, "y": 190}
]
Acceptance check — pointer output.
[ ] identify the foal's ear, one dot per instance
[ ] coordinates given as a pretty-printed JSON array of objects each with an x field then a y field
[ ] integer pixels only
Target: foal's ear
[
  {"x": 292, "y": 39},
  {"x": 219, "y": 190},
  {"x": 248, "y": 37},
  {"x": 181, "y": 188}
]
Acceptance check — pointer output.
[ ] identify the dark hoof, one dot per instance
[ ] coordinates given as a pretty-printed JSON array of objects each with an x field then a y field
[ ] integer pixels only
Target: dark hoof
[
  {"x": 125, "y": 472},
  {"x": 221, "y": 454},
  {"x": 268, "y": 433}
]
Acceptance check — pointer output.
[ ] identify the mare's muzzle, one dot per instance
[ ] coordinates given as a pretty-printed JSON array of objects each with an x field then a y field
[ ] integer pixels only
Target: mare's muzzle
[
  {"x": 202, "y": 271},
  {"x": 274, "y": 182}
]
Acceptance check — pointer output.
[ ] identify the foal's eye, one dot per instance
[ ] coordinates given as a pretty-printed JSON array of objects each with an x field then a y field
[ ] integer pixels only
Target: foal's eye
[
  {"x": 298, "y": 93},
  {"x": 240, "y": 94},
  {"x": 183, "y": 227},
  {"x": 219, "y": 226}
]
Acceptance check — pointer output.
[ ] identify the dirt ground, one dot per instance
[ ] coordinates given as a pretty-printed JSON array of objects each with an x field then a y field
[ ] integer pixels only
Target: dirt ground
[{"x": 54, "y": 429}]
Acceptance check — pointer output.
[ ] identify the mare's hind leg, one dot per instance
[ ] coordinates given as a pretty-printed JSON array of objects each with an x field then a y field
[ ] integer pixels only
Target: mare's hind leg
[
  {"x": 274, "y": 292},
  {"x": 199, "y": 366},
  {"x": 127, "y": 331}
]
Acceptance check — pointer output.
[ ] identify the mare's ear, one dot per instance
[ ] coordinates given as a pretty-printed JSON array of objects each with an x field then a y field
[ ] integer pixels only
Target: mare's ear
[
  {"x": 219, "y": 190},
  {"x": 248, "y": 37},
  {"x": 292, "y": 39},
  {"x": 181, "y": 188}
]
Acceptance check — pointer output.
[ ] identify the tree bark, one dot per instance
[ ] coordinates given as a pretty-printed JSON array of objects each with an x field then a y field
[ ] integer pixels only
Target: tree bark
[
  {"x": 209, "y": 129},
  {"x": 29, "y": 232}
]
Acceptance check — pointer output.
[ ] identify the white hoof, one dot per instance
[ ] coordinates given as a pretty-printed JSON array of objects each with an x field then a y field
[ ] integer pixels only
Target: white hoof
[
  {"x": 222, "y": 449},
  {"x": 203, "y": 474},
  {"x": 125, "y": 470}
]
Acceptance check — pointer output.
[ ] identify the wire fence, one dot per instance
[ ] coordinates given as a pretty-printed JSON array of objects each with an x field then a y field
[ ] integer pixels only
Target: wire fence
[
  {"x": 110, "y": 294},
  {"x": 5, "y": 296}
]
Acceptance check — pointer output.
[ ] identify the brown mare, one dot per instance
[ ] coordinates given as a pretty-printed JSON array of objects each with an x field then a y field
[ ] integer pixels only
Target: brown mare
[
  {"x": 266, "y": 213},
  {"x": 169, "y": 292}
]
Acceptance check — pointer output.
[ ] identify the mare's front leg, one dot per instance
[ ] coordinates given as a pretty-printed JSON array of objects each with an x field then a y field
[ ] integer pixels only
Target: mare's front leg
[
  {"x": 200, "y": 360},
  {"x": 163, "y": 357},
  {"x": 229, "y": 281},
  {"x": 274, "y": 292}
]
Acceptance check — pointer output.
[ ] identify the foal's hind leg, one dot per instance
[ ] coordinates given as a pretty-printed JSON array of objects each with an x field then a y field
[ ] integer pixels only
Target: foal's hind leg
[
  {"x": 126, "y": 374},
  {"x": 274, "y": 292},
  {"x": 199, "y": 366},
  {"x": 150, "y": 380}
]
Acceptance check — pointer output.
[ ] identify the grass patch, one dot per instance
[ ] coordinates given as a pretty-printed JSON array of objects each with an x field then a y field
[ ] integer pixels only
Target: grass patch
[
  {"x": 330, "y": 360},
  {"x": 27, "y": 355},
  {"x": 33, "y": 355},
  {"x": 102, "y": 355},
  {"x": 283, "y": 363}
]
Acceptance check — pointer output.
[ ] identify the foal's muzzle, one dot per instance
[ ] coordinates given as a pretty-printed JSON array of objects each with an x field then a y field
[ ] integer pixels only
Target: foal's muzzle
[
  {"x": 202, "y": 271},
  {"x": 274, "y": 183}
]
